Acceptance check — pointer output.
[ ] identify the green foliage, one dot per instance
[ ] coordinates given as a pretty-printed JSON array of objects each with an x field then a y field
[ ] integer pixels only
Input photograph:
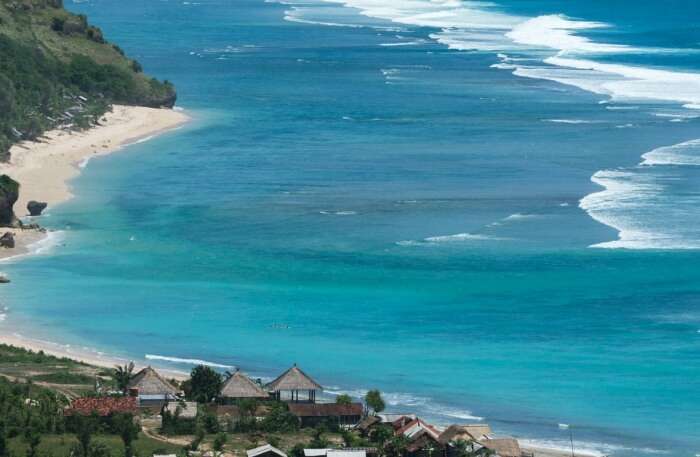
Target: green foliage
[
  {"x": 122, "y": 376},
  {"x": 209, "y": 422},
  {"x": 279, "y": 420},
  {"x": 124, "y": 426},
  {"x": 27, "y": 409},
  {"x": 343, "y": 399},
  {"x": 219, "y": 441},
  {"x": 51, "y": 58},
  {"x": 63, "y": 377},
  {"x": 381, "y": 435},
  {"x": 297, "y": 450},
  {"x": 396, "y": 447},
  {"x": 173, "y": 424},
  {"x": 204, "y": 384},
  {"x": 374, "y": 400}
]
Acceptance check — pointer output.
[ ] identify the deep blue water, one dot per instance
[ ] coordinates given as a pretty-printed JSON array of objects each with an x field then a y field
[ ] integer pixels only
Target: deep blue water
[{"x": 373, "y": 200}]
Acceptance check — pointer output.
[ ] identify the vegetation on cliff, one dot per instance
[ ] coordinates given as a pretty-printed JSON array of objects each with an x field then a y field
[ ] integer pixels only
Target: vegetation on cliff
[{"x": 57, "y": 70}]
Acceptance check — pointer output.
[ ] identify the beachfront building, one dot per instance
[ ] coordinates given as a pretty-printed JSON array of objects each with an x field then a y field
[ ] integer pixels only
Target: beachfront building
[
  {"x": 346, "y": 452},
  {"x": 293, "y": 382},
  {"x": 151, "y": 389},
  {"x": 266, "y": 450},
  {"x": 469, "y": 432},
  {"x": 423, "y": 439},
  {"x": 241, "y": 387},
  {"x": 101, "y": 406},
  {"x": 312, "y": 414},
  {"x": 503, "y": 447}
]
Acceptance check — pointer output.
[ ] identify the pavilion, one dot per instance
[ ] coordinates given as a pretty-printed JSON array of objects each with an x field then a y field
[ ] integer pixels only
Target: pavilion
[
  {"x": 241, "y": 387},
  {"x": 288, "y": 385},
  {"x": 151, "y": 389}
]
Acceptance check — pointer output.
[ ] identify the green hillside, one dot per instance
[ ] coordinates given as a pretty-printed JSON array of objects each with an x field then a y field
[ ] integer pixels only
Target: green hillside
[{"x": 57, "y": 70}]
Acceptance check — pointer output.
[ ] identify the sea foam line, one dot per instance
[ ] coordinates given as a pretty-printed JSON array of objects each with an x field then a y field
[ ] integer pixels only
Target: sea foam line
[{"x": 186, "y": 361}]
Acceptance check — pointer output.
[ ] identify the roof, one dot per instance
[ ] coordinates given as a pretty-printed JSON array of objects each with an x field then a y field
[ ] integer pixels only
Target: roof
[
  {"x": 264, "y": 449},
  {"x": 293, "y": 379},
  {"x": 471, "y": 432},
  {"x": 188, "y": 409},
  {"x": 367, "y": 423},
  {"x": 335, "y": 452},
  {"x": 241, "y": 386},
  {"x": 504, "y": 447},
  {"x": 416, "y": 428},
  {"x": 102, "y": 406},
  {"x": 149, "y": 382},
  {"x": 325, "y": 409}
]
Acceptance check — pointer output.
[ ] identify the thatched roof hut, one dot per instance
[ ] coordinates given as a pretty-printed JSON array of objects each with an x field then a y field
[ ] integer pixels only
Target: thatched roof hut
[
  {"x": 149, "y": 385},
  {"x": 266, "y": 450},
  {"x": 471, "y": 432},
  {"x": 503, "y": 447},
  {"x": 294, "y": 380},
  {"x": 241, "y": 386}
]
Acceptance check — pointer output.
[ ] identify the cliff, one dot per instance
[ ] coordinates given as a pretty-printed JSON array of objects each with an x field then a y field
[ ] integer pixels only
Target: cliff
[
  {"x": 58, "y": 71},
  {"x": 9, "y": 192}
]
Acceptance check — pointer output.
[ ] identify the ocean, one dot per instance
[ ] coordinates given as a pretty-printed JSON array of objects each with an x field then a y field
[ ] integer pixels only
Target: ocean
[{"x": 487, "y": 210}]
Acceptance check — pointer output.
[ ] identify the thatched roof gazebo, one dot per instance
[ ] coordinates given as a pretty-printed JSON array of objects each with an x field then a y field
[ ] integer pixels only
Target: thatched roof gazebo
[
  {"x": 240, "y": 386},
  {"x": 148, "y": 385},
  {"x": 292, "y": 382}
]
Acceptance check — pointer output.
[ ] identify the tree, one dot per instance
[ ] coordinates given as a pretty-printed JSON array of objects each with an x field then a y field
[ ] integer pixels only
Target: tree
[
  {"x": 381, "y": 435},
  {"x": 3, "y": 440},
  {"x": 343, "y": 399},
  {"x": 396, "y": 447},
  {"x": 219, "y": 442},
  {"x": 98, "y": 449},
  {"x": 374, "y": 400},
  {"x": 85, "y": 427},
  {"x": 279, "y": 419},
  {"x": 122, "y": 376},
  {"x": 204, "y": 384},
  {"x": 33, "y": 440},
  {"x": 123, "y": 425}
]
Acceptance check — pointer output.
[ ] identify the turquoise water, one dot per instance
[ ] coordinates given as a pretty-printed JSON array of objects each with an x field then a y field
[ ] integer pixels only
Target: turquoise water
[{"x": 404, "y": 195}]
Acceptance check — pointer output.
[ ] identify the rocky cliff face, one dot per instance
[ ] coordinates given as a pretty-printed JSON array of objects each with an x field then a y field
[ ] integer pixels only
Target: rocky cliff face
[{"x": 9, "y": 192}]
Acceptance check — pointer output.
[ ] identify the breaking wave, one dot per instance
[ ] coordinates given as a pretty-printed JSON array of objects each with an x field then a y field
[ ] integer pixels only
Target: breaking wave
[{"x": 163, "y": 358}]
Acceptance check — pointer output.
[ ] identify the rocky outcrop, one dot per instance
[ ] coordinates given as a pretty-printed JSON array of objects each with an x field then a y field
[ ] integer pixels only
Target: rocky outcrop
[
  {"x": 9, "y": 192},
  {"x": 35, "y": 208},
  {"x": 7, "y": 240},
  {"x": 4, "y": 280}
]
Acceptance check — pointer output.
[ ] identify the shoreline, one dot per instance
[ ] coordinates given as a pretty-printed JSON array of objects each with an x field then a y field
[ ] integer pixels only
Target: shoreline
[{"x": 45, "y": 168}]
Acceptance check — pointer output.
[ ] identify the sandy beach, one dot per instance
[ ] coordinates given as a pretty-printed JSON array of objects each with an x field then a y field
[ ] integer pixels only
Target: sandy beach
[{"x": 44, "y": 169}]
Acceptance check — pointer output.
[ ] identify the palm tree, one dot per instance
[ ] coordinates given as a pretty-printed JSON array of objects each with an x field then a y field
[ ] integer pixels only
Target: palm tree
[{"x": 123, "y": 375}]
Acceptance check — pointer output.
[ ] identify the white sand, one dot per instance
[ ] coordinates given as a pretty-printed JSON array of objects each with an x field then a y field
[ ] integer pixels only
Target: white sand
[{"x": 44, "y": 169}]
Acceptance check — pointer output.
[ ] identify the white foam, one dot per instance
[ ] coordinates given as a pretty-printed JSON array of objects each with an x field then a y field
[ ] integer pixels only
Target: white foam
[
  {"x": 186, "y": 361},
  {"x": 585, "y": 448},
  {"x": 460, "y": 237},
  {"x": 636, "y": 204},
  {"x": 41, "y": 247},
  {"x": 571, "y": 121},
  {"x": 687, "y": 153},
  {"x": 558, "y": 32}
]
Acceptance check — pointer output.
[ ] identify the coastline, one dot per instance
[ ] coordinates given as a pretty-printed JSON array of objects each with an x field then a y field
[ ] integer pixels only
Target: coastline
[{"x": 45, "y": 168}]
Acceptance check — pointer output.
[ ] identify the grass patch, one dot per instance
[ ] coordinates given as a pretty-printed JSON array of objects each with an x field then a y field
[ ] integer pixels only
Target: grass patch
[{"x": 64, "y": 377}]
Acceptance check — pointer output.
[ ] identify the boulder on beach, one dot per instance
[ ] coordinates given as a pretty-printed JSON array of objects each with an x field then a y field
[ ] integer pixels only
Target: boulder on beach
[
  {"x": 7, "y": 240},
  {"x": 35, "y": 208},
  {"x": 9, "y": 192}
]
